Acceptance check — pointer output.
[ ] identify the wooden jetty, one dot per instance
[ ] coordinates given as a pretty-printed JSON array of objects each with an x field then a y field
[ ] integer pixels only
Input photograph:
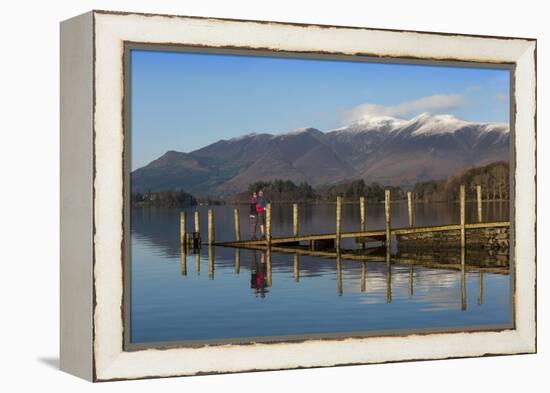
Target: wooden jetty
[{"x": 324, "y": 243}]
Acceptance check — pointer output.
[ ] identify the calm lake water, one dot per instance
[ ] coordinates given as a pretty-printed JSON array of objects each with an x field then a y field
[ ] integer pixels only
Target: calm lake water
[{"x": 236, "y": 297}]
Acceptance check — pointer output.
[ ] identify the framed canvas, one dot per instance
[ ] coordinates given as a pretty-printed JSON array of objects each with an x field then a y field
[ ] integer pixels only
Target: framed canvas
[{"x": 244, "y": 195}]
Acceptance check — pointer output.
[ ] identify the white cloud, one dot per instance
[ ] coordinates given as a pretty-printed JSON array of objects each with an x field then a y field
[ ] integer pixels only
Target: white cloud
[{"x": 436, "y": 103}]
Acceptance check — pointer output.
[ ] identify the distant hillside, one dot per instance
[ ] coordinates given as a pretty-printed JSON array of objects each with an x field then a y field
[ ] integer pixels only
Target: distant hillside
[{"x": 385, "y": 150}]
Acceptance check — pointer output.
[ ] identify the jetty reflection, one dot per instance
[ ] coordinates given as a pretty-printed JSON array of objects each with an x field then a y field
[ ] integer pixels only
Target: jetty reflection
[{"x": 261, "y": 276}]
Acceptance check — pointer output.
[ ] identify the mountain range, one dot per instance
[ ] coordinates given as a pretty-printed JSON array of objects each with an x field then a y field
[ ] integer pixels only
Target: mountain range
[{"x": 387, "y": 150}]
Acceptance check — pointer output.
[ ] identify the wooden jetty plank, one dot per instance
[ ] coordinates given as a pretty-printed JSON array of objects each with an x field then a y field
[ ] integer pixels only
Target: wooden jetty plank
[{"x": 377, "y": 234}]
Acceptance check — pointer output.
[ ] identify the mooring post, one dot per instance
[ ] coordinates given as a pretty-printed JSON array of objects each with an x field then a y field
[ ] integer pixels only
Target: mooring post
[
  {"x": 237, "y": 225},
  {"x": 210, "y": 227},
  {"x": 296, "y": 268},
  {"x": 338, "y": 222},
  {"x": 462, "y": 217},
  {"x": 479, "y": 210},
  {"x": 182, "y": 227},
  {"x": 295, "y": 219},
  {"x": 410, "y": 206},
  {"x": 268, "y": 224},
  {"x": 362, "y": 217},
  {"x": 388, "y": 220},
  {"x": 196, "y": 235}
]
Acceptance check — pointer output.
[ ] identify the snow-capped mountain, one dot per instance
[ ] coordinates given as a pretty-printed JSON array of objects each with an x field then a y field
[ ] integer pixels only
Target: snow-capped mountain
[{"x": 383, "y": 149}]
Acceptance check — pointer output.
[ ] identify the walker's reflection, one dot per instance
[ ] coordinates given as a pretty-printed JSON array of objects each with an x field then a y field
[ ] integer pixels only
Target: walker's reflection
[{"x": 259, "y": 274}]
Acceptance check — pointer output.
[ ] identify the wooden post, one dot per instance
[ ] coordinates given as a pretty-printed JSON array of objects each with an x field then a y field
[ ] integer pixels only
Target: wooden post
[
  {"x": 197, "y": 222},
  {"x": 462, "y": 217},
  {"x": 210, "y": 227},
  {"x": 363, "y": 276},
  {"x": 362, "y": 214},
  {"x": 295, "y": 219},
  {"x": 479, "y": 209},
  {"x": 409, "y": 204},
  {"x": 198, "y": 263},
  {"x": 338, "y": 222},
  {"x": 237, "y": 225},
  {"x": 388, "y": 219},
  {"x": 237, "y": 260},
  {"x": 296, "y": 268},
  {"x": 182, "y": 228},
  {"x": 362, "y": 217},
  {"x": 268, "y": 224}
]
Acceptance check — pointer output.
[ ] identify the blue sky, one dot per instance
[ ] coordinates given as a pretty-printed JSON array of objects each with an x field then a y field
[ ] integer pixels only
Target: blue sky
[{"x": 184, "y": 101}]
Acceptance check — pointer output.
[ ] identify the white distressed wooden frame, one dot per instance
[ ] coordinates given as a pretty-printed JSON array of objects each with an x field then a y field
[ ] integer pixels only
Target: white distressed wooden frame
[{"x": 92, "y": 194}]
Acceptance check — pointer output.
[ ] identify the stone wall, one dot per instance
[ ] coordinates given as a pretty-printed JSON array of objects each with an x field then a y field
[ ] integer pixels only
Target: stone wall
[{"x": 495, "y": 239}]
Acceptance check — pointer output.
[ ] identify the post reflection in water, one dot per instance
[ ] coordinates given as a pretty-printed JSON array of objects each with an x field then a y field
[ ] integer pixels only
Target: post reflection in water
[
  {"x": 211, "y": 257},
  {"x": 463, "y": 278},
  {"x": 296, "y": 268},
  {"x": 363, "y": 276},
  {"x": 388, "y": 276},
  {"x": 183, "y": 253},
  {"x": 267, "y": 257},
  {"x": 197, "y": 262},
  {"x": 237, "y": 260},
  {"x": 411, "y": 280},
  {"x": 259, "y": 275},
  {"x": 480, "y": 288},
  {"x": 339, "y": 274}
]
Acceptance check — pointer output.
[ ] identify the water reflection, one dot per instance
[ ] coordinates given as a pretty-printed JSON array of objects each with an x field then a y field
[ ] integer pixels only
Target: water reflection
[
  {"x": 285, "y": 292},
  {"x": 259, "y": 275},
  {"x": 260, "y": 267}
]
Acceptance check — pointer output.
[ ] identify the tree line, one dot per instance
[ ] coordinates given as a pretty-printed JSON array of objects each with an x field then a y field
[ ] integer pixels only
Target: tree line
[
  {"x": 178, "y": 198},
  {"x": 494, "y": 179}
]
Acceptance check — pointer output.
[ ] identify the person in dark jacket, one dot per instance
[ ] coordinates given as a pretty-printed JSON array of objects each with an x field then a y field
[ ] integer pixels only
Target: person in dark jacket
[
  {"x": 253, "y": 215},
  {"x": 260, "y": 208}
]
